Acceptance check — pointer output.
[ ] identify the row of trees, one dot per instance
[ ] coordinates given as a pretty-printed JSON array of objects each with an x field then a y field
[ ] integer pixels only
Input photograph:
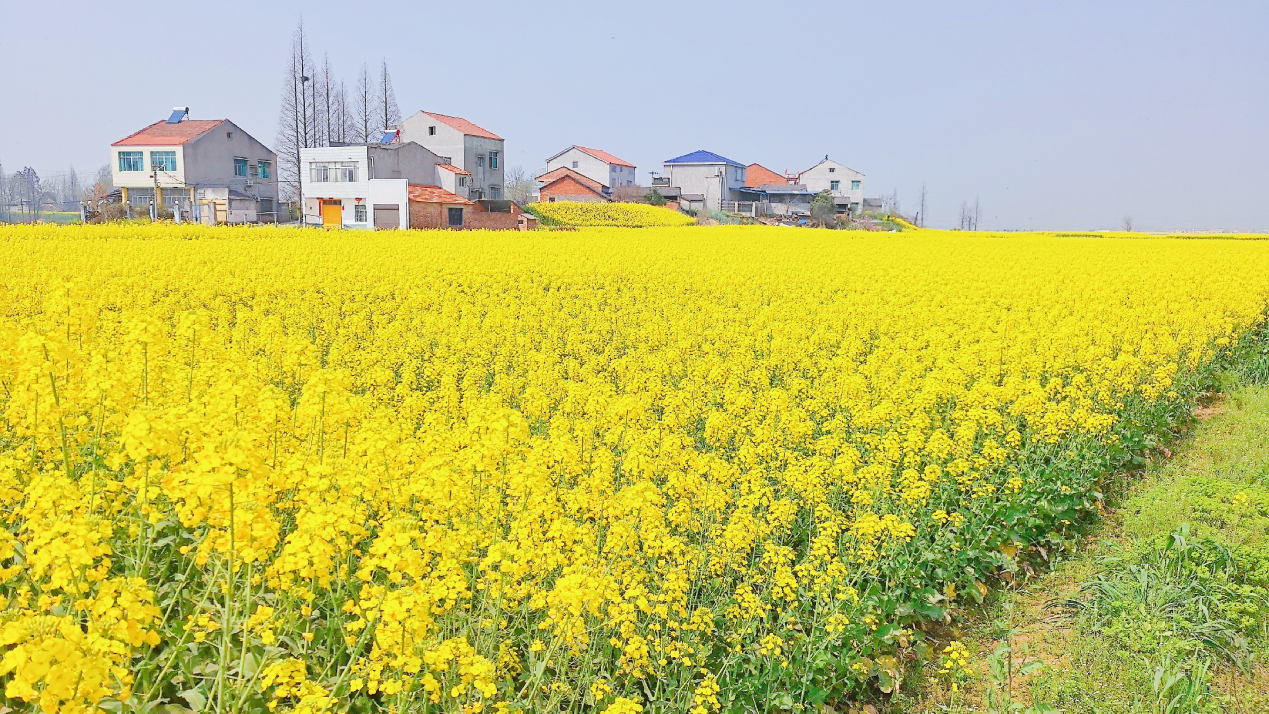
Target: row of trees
[
  {"x": 318, "y": 109},
  {"x": 24, "y": 195}
]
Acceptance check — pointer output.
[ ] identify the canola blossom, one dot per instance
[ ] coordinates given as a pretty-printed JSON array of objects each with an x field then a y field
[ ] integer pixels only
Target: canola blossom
[
  {"x": 682, "y": 469},
  {"x": 616, "y": 214}
]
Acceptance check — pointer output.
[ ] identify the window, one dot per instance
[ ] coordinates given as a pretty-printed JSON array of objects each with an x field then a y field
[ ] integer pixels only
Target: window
[
  {"x": 359, "y": 213},
  {"x": 456, "y": 216},
  {"x": 495, "y": 192},
  {"x": 332, "y": 171},
  {"x": 854, "y": 185},
  {"x": 431, "y": 131},
  {"x": 832, "y": 170},
  {"x": 574, "y": 164},
  {"x": 264, "y": 169},
  {"x": 240, "y": 167},
  {"x": 255, "y": 171},
  {"x": 462, "y": 181},
  {"x": 834, "y": 185},
  {"x": 480, "y": 162},
  {"x": 131, "y": 161},
  {"x": 163, "y": 160},
  {"x": 493, "y": 159},
  {"x": 551, "y": 199}
]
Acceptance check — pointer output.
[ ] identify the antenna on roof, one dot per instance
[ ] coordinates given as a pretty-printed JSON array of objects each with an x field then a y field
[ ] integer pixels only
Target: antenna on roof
[{"x": 178, "y": 115}]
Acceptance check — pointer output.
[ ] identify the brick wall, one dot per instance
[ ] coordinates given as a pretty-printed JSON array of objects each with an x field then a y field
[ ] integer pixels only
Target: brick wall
[
  {"x": 435, "y": 215},
  {"x": 569, "y": 189},
  {"x": 428, "y": 215}
]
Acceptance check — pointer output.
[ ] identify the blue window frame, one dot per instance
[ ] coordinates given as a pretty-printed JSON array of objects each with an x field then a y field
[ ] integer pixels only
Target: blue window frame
[
  {"x": 163, "y": 160},
  {"x": 854, "y": 185},
  {"x": 493, "y": 159},
  {"x": 240, "y": 167},
  {"x": 132, "y": 161},
  {"x": 263, "y": 168}
]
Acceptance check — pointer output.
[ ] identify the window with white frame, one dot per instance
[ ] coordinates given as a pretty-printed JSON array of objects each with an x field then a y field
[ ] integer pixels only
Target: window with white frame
[
  {"x": 834, "y": 185},
  {"x": 359, "y": 213},
  {"x": 493, "y": 159},
  {"x": 132, "y": 161},
  {"x": 431, "y": 131},
  {"x": 332, "y": 171}
]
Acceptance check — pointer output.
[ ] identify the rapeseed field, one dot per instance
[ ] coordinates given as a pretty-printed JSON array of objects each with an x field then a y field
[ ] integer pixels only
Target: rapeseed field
[{"x": 674, "y": 469}]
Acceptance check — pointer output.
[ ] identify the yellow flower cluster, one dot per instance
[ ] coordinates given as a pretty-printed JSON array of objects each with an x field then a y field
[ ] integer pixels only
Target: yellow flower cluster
[
  {"x": 427, "y": 471},
  {"x": 627, "y": 215}
]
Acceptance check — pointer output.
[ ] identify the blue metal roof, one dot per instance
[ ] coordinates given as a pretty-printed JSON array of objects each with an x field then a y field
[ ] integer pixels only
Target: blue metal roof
[{"x": 703, "y": 157}]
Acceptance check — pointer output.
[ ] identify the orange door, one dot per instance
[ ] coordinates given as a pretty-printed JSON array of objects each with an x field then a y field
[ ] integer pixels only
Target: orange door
[{"x": 332, "y": 214}]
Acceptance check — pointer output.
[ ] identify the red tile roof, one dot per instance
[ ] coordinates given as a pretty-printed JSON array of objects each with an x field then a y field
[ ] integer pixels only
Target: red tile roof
[
  {"x": 555, "y": 175},
  {"x": 164, "y": 134},
  {"x": 464, "y": 126},
  {"x": 758, "y": 175},
  {"x": 605, "y": 156},
  {"x": 569, "y": 185},
  {"x": 454, "y": 169},
  {"x": 436, "y": 194}
]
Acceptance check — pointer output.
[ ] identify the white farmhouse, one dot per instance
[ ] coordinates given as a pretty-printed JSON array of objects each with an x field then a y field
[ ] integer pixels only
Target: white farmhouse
[
  {"x": 207, "y": 169},
  {"x": 600, "y": 166},
  {"x": 706, "y": 175},
  {"x": 845, "y": 183},
  {"x": 366, "y": 187},
  {"x": 478, "y": 151}
]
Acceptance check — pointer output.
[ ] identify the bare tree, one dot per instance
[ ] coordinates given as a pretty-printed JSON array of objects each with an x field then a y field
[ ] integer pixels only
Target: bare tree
[
  {"x": 967, "y": 219},
  {"x": 105, "y": 178},
  {"x": 327, "y": 96},
  {"x": 387, "y": 114},
  {"x": 921, "y": 215},
  {"x": 630, "y": 193},
  {"x": 296, "y": 128},
  {"x": 977, "y": 212},
  {"x": 4, "y": 195},
  {"x": 342, "y": 115},
  {"x": 363, "y": 108},
  {"x": 890, "y": 204},
  {"x": 518, "y": 184},
  {"x": 73, "y": 190},
  {"x": 1128, "y": 224}
]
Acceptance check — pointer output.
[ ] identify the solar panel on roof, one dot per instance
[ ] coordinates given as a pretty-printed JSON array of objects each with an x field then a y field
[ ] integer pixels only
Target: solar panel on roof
[
  {"x": 388, "y": 136},
  {"x": 177, "y": 116}
]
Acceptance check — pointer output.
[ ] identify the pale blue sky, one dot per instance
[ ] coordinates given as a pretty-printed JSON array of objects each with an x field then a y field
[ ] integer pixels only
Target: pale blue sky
[{"x": 1064, "y": 115}]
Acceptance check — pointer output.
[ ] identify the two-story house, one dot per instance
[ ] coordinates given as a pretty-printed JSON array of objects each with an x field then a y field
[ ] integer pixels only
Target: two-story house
[
  {"x": 599, "y": 166},
  {"x": 478, "y": 151},
  {"x": 209, "y": 170},
  {"x": 366, "y": 187},
  {"x": 706, "y": 177},
  {"x": 845, "y": 183}
]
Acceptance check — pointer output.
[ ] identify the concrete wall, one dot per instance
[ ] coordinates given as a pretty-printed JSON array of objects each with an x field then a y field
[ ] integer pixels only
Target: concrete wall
[
  {"x": 620, "y": 176},
  {"x": 586, "y": 165},
  {"x": 484, "y": 178},
  {"x": 457, "y": 184},
  {"x": 407, "y": 160},
  {"x": 820, "y": 177},
  {"x": 209, "y": 161},
  {"x": 715, "y": 181},
  {"x": 465, "y": 152}
]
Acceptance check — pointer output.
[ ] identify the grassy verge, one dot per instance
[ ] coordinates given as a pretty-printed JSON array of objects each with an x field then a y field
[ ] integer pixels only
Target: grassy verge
[{"x": 1165, "y": 610}]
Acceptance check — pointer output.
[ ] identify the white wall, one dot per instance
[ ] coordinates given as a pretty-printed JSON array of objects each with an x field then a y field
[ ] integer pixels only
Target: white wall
[
  {"x": 370, "y": 191},
  {"x": 821, "y": 176},
  {"x": 587, "y": 165},
  {"x": 714, "y": 180}
]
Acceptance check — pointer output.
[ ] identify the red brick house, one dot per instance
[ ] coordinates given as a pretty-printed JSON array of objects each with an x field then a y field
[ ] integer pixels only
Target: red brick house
[
  {"x": 434, "y": 207},
  {"x": 757, "y": 176},
  {"x": 565, "y": 184}
]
